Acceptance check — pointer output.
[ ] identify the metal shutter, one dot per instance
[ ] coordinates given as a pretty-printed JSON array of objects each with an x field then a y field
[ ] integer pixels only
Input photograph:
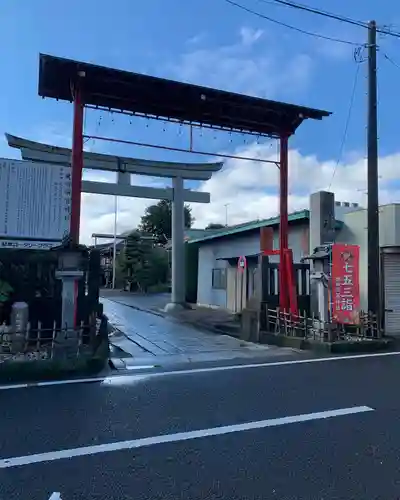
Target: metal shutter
[{"x": 391, "y": 270}]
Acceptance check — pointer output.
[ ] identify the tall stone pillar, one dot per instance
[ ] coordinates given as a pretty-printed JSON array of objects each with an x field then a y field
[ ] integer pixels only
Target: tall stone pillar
[
  {"x": 322, "y": 232},
  {"x": 322, "y": 219},
  {"x": 178, "y": 246}
]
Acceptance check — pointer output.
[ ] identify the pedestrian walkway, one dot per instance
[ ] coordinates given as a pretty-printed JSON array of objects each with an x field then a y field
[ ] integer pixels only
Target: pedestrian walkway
[
  {"x": 152, "y": 301},
  {"x": 151, "y": 339},
  {"x": 217, "y": 319}
]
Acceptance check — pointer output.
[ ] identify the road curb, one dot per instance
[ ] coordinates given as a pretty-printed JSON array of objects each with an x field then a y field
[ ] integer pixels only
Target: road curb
[{"x": 342, "y": 347}]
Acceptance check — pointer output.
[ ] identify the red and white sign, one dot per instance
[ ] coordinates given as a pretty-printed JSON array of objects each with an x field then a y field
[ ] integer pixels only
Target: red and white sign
[
  {"x": 242, "y": 263},
  {"x": 346, "y": 283}
]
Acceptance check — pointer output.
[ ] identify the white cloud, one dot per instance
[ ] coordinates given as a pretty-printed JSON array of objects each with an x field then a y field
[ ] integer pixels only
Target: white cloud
[
  {"x": 249, "y": 35},
  {"x": 250, "y": 189},
  {"x": 249, "y": 65},
  {"x": 98, "y": 214}
]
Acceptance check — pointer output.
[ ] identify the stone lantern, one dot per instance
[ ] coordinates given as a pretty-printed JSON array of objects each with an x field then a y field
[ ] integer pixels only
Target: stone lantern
[
  {"x": 319, "y": 281},
  {"x": 70, "y": 271}
]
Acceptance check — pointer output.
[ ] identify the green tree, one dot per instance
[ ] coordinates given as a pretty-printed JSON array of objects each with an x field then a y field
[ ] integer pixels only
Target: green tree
[
  {"x": 215, "y": 225},
  {"x": 131, "y": 260},
  {"x": 160, "y": 265},
  {"x": 5, "y": 291},
  {"x": 157, "y": 220},
  {"x": 143, "y": 263}
]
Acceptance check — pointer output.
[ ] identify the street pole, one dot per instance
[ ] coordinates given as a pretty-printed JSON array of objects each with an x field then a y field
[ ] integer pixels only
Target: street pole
[
  {"x": 115, "y": 243},
  {"x": 226, "y": 213},
  {"x": 372, "y": 178}
]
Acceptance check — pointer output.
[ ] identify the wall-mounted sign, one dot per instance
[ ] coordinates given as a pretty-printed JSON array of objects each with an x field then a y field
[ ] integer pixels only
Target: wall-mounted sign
[
  {"x": 35, "y": 201},
  {"x": 28, "y": 244},
  {"x": 345, "y": 283},
  {"x": 242, "y": 263}
]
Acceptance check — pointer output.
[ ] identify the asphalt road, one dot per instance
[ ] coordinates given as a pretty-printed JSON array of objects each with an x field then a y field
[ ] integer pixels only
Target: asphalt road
[{"x": 345, "y": 456}]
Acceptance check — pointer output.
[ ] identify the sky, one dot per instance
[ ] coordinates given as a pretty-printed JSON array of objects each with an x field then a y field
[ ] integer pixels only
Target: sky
[{"x": 212, "y": 43}]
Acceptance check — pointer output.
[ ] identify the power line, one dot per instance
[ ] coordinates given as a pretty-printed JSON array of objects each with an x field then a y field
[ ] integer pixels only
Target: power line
[
  {"x": 299, "y": 30},
  {"x": 391, "y": 61},
  {"x": 384, "y": 30},
  {"x": 319, "y": 12},
  {"x": 346, "y": 127}
]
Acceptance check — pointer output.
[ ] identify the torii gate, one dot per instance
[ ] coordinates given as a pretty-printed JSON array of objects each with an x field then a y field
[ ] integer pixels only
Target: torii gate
[
  {"x": 99, "y": 87},
  {"x": 124, "y": 167}
]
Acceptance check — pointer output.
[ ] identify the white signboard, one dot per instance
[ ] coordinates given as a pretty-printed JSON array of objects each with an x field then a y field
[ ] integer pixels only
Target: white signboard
[
  {"x": 28, "y": 244},
  {"x": 35, "y": 201}
]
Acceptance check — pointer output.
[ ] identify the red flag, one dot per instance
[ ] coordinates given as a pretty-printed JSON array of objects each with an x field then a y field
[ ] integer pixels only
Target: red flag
[{"x": 346, "y": 283}]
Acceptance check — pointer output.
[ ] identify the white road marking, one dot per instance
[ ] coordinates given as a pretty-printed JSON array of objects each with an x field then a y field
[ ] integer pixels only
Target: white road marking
[
  {"x": 142, "y": 367},
  {"x": 55, "y": 496},
  {"x": 52, "y": 382},
  {"x": 174, "y": 438},
  {"x": 123, "y": 380},
  {"x": 202, "y": 370}
]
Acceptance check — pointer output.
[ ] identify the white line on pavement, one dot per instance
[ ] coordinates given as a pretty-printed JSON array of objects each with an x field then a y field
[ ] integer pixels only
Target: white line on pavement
[
  {"x": 174, "y": 438},
  {"x": 143, "y": 367},
  {"x": 200, "y": 370},
  {"x": 52, "y": 382},
  {"x": 73, "y": 380}
]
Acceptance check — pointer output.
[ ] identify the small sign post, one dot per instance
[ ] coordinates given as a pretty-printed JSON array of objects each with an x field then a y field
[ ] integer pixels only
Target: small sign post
[
  {"x": 242, "y": 263},
  {"x": 241, "y": 266}
]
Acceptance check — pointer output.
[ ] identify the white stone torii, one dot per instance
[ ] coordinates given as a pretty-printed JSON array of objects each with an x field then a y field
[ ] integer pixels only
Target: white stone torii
[{"x": 44, "y": 153}]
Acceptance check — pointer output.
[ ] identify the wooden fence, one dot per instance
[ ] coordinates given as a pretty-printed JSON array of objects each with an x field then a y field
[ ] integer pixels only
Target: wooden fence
[
  {"x": 311, "y": 328},
  {"x": 30, "y": 276}
]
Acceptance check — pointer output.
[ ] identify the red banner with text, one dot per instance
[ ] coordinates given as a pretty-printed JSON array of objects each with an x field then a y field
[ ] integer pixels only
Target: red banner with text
[{"x": 346, "y": 283}]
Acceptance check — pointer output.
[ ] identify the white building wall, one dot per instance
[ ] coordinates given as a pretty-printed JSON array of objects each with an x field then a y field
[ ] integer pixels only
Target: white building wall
[
  {"x": 355, "y": 232},
  {"x": 211, "y": 257},
  {"x": 212, "y": 253}
]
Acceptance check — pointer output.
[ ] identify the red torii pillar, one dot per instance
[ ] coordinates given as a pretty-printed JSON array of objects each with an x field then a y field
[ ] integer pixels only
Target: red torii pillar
[
  {"x": 287, "y": 284},
  {"x": 76, "y": 163},
  {"x": 283, "y": 222}
]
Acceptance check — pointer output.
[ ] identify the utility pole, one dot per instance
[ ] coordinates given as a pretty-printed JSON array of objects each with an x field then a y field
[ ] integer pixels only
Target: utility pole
[{"x": 372, "y": 179}]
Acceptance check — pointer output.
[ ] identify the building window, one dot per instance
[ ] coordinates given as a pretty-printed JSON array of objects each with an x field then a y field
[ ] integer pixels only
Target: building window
[{"x": 219, "y": 279}]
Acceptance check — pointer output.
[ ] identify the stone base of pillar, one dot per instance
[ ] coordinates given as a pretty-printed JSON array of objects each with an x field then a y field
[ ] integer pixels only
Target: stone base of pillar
[{"x": 175, "y": 307}]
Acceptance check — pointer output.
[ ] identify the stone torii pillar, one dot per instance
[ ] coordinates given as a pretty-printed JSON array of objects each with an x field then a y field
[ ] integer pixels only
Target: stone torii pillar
[{"x": 178, "y": 295}]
